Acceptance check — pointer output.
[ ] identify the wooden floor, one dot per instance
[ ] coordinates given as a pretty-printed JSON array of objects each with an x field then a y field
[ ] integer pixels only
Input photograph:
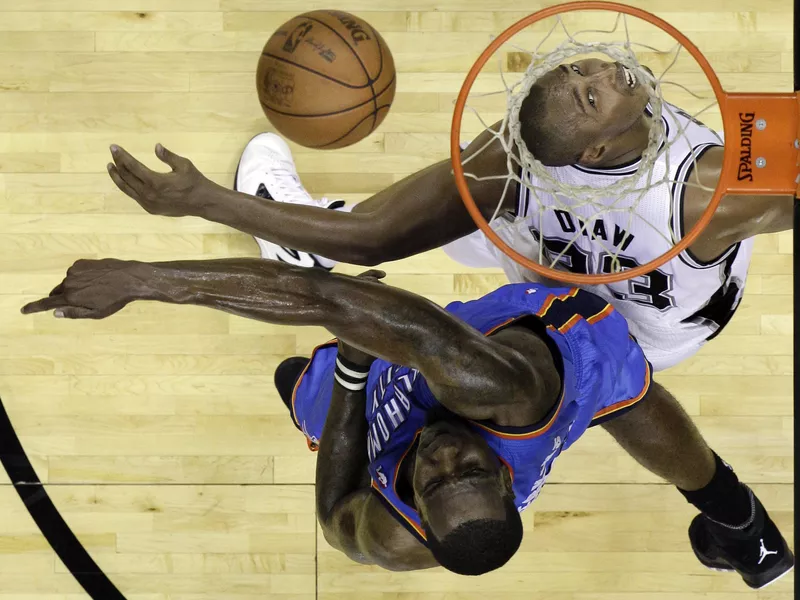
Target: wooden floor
[{"x": 158, "y": 433}]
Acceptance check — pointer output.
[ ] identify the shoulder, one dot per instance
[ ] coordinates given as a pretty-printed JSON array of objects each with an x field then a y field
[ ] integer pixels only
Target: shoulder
[
  {"x": 527, "y": 375},
  {"x": 388, "y": 543}
]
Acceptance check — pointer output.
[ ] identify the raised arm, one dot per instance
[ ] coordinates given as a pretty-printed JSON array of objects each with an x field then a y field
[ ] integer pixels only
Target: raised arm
[
  {"x": 736, "y": 218},
  {"x": 421, "y": 212},
  {"x": 473, "y": 375},
  {"x": 350, "y": 516}
]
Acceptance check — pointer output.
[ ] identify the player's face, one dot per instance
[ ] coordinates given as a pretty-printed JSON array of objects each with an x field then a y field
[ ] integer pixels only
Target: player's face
[
  {"x": 457, "y": 477},
  {"x": 600, "y": 99}
]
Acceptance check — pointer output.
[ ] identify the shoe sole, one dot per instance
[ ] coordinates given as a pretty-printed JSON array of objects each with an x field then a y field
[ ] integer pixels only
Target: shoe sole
[
  {"x": 724, "y": 567},
  {"x": 712, "y": 567},
  {"x": 781, "y": 576},
  {"x": 732, "y": 570}
]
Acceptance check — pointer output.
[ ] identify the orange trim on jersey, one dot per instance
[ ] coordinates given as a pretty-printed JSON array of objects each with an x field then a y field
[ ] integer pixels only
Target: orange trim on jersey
[
  {"x": 508, "y": 466},
  {"x": 551, "y": 298},
  {"x": 503, "y": 324},
  {"x": 573, "y": 320},
  {"x": 630, "y": 402},
  {"x": 300, "y": 379},
  {"x": 530, "y": 434},
  {"x": 416, "y": 527},
  {"x": 398, "y": 512},
  {"x": 601, "y": 315}
]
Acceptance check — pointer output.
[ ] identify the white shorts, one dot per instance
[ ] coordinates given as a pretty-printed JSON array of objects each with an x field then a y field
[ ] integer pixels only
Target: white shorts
[{"x": 476, "y": 250}]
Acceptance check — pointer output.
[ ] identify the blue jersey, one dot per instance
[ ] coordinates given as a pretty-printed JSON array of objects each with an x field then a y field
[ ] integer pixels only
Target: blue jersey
[{"x": 603, "y": 372}]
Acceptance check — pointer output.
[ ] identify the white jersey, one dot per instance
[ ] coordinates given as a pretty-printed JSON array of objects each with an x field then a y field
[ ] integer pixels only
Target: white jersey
[{"x": 671, "y": 311}]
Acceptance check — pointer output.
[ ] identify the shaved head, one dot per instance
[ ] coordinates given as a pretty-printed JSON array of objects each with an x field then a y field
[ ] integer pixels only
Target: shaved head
[{"x": 588, "y": 112}]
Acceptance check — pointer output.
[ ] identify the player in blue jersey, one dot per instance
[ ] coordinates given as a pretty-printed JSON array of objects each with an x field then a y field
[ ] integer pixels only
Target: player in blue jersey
[{"x": 436, "y": 427}]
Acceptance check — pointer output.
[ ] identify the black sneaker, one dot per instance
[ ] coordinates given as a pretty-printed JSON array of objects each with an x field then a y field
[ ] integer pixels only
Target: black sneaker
[
  {"x": 266, "y": 169},
  {"x": 286, "y": 376},
  {"x": 757, "y": 551}
]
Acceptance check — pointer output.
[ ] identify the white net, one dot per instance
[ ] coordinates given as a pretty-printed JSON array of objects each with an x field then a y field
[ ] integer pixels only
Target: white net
[{"x": 619, "y": 197}]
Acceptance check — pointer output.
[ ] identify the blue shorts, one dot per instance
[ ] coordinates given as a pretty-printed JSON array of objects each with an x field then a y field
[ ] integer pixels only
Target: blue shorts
[{"x": 312, "y": 393}]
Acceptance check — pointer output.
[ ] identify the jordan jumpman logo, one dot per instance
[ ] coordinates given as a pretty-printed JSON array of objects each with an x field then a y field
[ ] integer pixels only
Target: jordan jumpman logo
[{"x": 764, "y": 552}]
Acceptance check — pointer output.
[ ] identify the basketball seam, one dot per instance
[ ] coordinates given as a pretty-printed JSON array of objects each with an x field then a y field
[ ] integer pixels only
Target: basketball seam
[
  {"x": 353, "y": 50},
  {"x": 331, "y": 114},
  {"x": 352, "y": 129},
  {"x": 370, "y": 81},
  {"x": 380, "y": 50},
  {"x": 378, "y": 40},
  {"x": 328, "y": 77}
]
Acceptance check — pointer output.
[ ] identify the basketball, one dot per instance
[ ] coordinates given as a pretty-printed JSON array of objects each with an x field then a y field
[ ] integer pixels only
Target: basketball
[{"x": 326, "y": 79}]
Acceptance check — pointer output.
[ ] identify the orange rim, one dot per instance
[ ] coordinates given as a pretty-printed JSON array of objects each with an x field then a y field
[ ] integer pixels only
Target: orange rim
[{"x": 469, "y": 201}]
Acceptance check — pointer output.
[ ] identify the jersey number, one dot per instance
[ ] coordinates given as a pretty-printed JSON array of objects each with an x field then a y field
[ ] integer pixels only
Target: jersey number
[{"x": 651, "y": 289}]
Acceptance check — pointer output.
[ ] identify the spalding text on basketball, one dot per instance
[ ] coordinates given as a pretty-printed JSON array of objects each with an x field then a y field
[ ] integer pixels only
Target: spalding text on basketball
[
  {"x": 356, "y": 32},
  {"x": 746, "y": 146}
]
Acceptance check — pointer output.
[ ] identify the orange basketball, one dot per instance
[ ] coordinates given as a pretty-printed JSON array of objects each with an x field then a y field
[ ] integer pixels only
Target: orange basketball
[{"x": 326, "y": 79}]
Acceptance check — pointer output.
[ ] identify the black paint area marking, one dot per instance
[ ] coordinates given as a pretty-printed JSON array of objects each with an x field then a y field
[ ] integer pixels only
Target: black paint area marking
[{"x": 46, "y": 516}]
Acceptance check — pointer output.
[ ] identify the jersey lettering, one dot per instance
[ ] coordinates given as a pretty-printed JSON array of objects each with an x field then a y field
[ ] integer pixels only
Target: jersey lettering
[
  {"x": 566, "y": 220},
  {"x": 568, "y": 254},
  {"x": 650, "y": 289},
  {"x": 544, "y": 472},
  {"x": 389, "y": 410}
]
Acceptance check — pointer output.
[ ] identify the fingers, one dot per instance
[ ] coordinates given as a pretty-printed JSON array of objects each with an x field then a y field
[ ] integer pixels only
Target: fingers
[
  {"x": 77, "y": 312},
  {"x": 177, "y": 163},
  {"x": 128, "y": 164},
  {"x": 118, "y": 180},
  {"x": 373, "y": 274},
  {"x": 45, "y": 304}
]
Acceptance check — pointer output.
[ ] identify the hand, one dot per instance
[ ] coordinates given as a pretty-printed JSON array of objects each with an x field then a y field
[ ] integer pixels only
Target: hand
[
  {"x": 372, "y": 275},
  {"x": 175, "y": 194},
  {"x": 351, "y": 352},
  {"x": 92, "y": 289}
]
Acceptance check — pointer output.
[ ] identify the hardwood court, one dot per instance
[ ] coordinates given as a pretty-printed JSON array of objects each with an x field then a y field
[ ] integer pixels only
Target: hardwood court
[{"x": 158, "y": 433}]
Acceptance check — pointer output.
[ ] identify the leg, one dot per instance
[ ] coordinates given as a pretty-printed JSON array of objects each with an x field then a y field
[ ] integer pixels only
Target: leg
[
  {"x": 734, "y": 531},
  {"x": 305, "y": 386},
  {"x": 662, "y": 438}
]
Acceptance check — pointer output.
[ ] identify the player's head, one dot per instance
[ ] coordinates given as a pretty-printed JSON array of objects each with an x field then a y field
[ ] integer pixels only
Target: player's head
[
  {"x": 465, "y": 498},
  {"x": 579, "y": 113}
]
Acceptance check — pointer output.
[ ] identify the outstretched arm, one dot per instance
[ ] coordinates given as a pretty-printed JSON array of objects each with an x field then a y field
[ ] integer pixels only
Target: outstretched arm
[
  {"x": 421, "y": 212},
  {"x": 737, "y": 217},
  {"x": 473, "y": 375}
]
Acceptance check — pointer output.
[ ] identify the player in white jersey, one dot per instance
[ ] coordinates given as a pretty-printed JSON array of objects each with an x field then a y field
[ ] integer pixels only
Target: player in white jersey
[
  {"x": 673, "y": 310},
  {"x": 589, "y": 114},
  {"x": 588, "y": 122}
]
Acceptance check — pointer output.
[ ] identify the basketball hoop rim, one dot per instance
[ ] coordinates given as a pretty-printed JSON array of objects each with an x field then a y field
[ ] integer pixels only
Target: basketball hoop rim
[{"x": 458, "y": 170}]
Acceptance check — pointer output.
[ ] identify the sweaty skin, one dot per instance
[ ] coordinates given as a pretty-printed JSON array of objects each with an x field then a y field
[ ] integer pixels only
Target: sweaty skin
[
  {"x": 508, "y": 379},
  {"x": 425, "y": 211}
]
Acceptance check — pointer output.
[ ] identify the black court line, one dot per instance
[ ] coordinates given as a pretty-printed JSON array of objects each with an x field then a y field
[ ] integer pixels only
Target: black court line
[{"x": 50, "y": 522}]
